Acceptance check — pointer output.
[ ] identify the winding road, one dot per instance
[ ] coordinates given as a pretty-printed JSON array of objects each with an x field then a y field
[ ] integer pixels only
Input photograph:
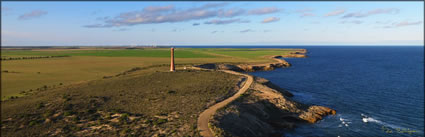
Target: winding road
[{"x": 205, "y": 116}]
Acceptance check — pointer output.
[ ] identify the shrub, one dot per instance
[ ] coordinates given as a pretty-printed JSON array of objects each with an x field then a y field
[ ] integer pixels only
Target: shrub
[
  {"x": 124, "y": 117},
  {"x": 75, "y": 128},
  {"x": 91, "y": 110},
  {"x": 108, "y": 116},
  {"x": 67, "y": 106},
  {"x": 32, "y": 123},
  {"x": 48, "y": 113},
  {"x": 75, "y": 119},
  {"x": 125, "y": 131},
  {"x": 40, "y": 105},
  {"x": 68, "y": 113},
  {"x": 244, "y": 95},
  {"x": 159, "y": 121}
]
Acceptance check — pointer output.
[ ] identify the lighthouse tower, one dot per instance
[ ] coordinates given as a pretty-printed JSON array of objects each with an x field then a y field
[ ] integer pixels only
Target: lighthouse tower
[{"x": 172, "y": 68}]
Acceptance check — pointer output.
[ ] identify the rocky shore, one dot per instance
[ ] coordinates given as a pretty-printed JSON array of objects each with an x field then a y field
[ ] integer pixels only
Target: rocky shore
[
  {"x": 265, "y": 109},
  {"x": 249, "y": 67},
  {"x": 278, "y": 63}
]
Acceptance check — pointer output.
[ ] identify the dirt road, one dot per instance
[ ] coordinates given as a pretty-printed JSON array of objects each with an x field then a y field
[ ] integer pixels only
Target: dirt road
[{"x": 205, "y": 116}]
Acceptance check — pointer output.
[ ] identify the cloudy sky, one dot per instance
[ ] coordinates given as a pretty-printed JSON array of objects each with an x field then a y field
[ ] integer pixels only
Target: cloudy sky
[{"x": 212, "y": 23}]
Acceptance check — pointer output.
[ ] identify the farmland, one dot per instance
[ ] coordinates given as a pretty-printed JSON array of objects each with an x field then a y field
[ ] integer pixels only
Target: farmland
[{"x": 85, "y": 64}]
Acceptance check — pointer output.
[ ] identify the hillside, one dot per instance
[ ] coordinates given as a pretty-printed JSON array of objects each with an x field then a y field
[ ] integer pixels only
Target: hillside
[{"x": 147, "y": 102}]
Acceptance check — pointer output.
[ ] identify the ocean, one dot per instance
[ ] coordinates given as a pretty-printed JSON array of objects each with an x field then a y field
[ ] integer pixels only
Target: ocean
[{"x": 383, "y": 83}]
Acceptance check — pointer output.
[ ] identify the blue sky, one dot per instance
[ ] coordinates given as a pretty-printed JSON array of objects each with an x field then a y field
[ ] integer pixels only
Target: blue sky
[{"x": 212, "y": 23}]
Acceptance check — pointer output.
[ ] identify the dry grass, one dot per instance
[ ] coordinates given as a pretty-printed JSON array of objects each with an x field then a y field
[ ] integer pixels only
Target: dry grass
[{"x": 144, "y": 103}]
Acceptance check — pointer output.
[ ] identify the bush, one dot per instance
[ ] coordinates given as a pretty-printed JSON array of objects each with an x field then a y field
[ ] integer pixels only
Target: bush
[
  {"x": 32, "y": 123},
  {"x": 244, "y": 94},
  {"x": 48, "y": 113},
  {"x": 75, "y": 119},
  {"x": 67, "y": 107},
  {"x": 40, "y": 105},
  {"x": 160, "y": 121},
  {"x": 124, "y": 117},
  {"x": 125, "y": 131},
  {"x": 68, "y": 113},
  {"x": 75, "y": 128}
]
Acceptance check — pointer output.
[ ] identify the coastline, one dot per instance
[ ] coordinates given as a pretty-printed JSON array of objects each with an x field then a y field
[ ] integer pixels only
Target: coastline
[{"x": 264, "y": 108}]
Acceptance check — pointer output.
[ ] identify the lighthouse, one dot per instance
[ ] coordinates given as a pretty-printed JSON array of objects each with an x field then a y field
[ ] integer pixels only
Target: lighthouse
[{"x": 172, "y": 68}]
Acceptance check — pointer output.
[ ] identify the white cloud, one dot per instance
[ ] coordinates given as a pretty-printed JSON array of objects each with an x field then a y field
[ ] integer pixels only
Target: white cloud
[
  {"x": 372, "y": 12},
  {"x": 270, "y": 19},
  {"x": 32, "y": 14},
  {"x": 263, "y": 11},
  {"x": 335, "y": 13}
]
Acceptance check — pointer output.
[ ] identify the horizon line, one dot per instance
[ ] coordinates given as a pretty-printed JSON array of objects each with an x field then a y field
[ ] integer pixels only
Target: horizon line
[{"x": 190, "y": 45}]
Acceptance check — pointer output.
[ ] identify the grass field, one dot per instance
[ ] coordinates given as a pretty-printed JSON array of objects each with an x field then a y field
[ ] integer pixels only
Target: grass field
[
  {"x": 150, "y": 102},
  {"x": 95, "y": 63},
  {"x": 160, "y": 52}
]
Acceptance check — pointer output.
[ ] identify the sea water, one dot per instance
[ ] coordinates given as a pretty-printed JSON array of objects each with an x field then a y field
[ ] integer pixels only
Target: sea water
[{"x": 384, "y": 83}]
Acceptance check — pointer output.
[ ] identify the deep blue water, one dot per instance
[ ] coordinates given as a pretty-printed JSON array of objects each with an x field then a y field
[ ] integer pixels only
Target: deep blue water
[{"x": 384, "y": 83}]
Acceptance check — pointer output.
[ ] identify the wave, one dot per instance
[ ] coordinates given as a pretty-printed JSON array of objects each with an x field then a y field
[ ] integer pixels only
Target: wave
[
  {"x": 344, "y": 122},
  {"x": 370, "y": 119}
]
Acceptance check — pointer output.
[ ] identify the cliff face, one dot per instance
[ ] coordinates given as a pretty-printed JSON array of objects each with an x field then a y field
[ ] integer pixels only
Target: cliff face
[{"x": 262, "y": 111}]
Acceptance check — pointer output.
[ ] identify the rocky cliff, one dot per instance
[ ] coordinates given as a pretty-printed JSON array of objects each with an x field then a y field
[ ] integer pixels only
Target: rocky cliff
[{"x": 264, "y": 110}]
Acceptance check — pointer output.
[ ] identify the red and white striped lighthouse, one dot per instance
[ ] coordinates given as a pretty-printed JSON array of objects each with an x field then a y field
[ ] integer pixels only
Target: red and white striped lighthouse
[{"x": 172, "y": 60}]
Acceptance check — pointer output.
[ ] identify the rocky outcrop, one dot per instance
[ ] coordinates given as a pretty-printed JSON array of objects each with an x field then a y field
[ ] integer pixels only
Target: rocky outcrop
[
  {"x": 294, "y": 56},
  {"x": 264, "y": 84},
  {"x": 279, "y": 63},
  {"x": 264, "y": 110},
  {"x": 315, "y": 113}
]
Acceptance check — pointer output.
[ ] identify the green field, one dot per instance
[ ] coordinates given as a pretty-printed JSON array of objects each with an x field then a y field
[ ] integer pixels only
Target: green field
[
  {"x": 110, "y": 53},
  {"x": 95, "y": 63}
]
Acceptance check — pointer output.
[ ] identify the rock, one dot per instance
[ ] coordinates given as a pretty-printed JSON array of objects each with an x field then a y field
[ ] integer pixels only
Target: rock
[
  {"x": 229, "y": 67},
  {"x": 294, "y": 56},
  {"x": 315, "y": 113},
  {"x": 270, "y": 86},
  {"x": 47, "y": 120},
  {"x": 268, "y": 67}
]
